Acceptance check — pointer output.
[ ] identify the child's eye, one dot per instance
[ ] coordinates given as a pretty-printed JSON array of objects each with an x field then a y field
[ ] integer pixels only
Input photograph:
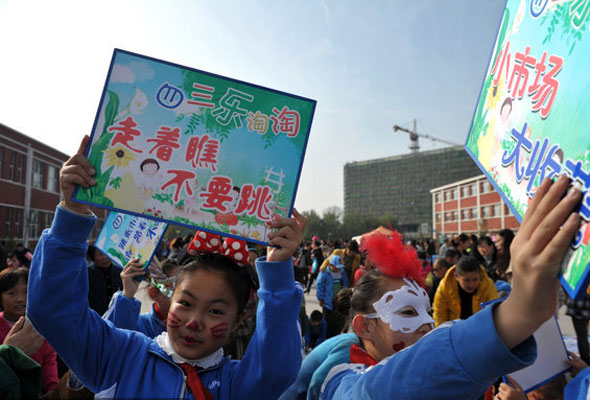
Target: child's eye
[
  {"x": 216, "y": 312},
  {"x": 408, "y": 312},
  {"x": 184, "y": 303}
]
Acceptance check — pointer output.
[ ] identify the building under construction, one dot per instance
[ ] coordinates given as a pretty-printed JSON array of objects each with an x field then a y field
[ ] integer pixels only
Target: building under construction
[{"x": 400, "y": 185}]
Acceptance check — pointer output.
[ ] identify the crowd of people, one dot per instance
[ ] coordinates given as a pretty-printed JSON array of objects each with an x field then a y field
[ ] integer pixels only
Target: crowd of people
[{"x": 399, "y": 319}]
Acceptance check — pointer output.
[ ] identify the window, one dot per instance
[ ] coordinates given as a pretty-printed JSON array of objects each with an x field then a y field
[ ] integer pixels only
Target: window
[
  {"x": 17, "y": 167},
  {"x": 18, "y": 222},
  {"x": 34, "y": 224},
  {"x": 47, "y": 220},
  {"x": 474, "y": 214},
  {"x": 446, "y": 196},
  {"x": 485, "y": 211},
  {"x": 483, "y": 187},
  {"x": 464, "y": 191},
  {"x": 496, "y": 210},
  {"x": 455, "y": 215},
  {"x": 473, "y": 188},
  {"x": 455, "y": 193},
  {"x": 38, "y": 174},
  {"x": 438, "y": 217},
  {"x": 464, "y": 214},
  {"x": 437, "y": 197},
  {"x": 52, "y": 179},
  {"x": 1, "y": 162},
  {"x": 447, "y": 216}
]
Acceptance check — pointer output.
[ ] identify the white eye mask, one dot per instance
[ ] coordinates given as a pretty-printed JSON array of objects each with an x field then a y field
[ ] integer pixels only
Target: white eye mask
[{"x": 393, "y": 301}]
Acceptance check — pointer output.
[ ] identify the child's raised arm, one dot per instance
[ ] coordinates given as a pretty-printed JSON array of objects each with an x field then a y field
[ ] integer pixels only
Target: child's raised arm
[{"x": 537, "y": 253}]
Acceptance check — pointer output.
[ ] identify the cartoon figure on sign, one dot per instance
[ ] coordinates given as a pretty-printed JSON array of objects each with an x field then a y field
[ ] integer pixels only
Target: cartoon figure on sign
[
  {"x": 229, "y": 218},
  {"x": 149, "y": 178}
]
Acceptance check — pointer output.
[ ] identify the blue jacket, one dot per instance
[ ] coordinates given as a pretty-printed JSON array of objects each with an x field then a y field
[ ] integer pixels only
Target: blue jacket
[
  {"x": 124, "y": 313},
  {"x": 323, "y": 330},
  {"x": 325, "y": 286},
  {"x": 455, "y": 361},
  {"x": 579, "y": 387},
  {"x": 317, "y": 365},
  {"x": 102, "y": 355}
]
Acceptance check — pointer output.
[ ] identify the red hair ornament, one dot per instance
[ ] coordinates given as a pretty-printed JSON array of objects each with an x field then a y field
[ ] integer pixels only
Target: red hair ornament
[
  {"x": 392, "y": 257},
  {"x": 205, "y": 242}
]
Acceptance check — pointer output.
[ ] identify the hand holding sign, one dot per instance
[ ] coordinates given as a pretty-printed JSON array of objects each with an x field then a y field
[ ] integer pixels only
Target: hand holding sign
[
  {"x": 537, "y": 253},
  {"x": 77, "y": 170}
]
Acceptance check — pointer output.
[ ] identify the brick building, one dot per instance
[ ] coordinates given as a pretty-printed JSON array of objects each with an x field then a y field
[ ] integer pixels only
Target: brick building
[
  {"x": 29, "y": 188},
  {"x": 470, "y": 206}
]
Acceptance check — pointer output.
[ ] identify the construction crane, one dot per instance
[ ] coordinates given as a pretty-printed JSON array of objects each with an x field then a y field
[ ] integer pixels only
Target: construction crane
[{"x": 414, "y": 136}]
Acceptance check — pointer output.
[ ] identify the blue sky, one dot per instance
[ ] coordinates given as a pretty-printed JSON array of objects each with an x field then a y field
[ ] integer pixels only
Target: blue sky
[{"x": 368, "y": 64}]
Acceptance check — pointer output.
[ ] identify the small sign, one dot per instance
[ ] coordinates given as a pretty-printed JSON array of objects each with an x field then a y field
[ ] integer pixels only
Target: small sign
[{"x": 125, "y": 237}]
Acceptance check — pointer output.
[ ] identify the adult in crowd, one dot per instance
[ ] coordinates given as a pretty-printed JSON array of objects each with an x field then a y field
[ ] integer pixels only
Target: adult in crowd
[
  {"x": 350, "y": 258},
  {"x": 317, "y": 259},
  {"x": 502, "y": 241},
  {"x": 103, "y": 280}
]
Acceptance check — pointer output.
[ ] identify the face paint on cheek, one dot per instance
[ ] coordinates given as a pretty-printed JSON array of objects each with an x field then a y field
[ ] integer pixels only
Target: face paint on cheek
[
  {"x": 194, "y": 325},
  {"x": 173, "y": 320},
  {"x": 399, "y": 346},
  {"x": 219, "y": 330}
]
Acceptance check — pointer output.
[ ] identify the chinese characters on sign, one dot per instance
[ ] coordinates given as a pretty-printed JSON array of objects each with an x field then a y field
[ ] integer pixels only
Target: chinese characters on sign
[{"x": 196, "y": 149}]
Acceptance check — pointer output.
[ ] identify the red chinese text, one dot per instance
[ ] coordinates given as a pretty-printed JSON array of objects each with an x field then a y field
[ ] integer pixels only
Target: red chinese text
[
  {"x": 217, "y": 193},
  {"x": 181, "y": 178},
  {"x": 201, "y": 98},
  {"x": 286, "y": 121},
  {"x": 126, "y": 132},
  {"x": 255, "y": 201},
  {"x": 543, "y": 88},
  {"x": 166, "y": 140},
  {"x": 202, "y": 152}
]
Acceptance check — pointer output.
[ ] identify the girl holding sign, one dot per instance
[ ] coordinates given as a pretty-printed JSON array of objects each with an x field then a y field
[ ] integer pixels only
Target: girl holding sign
[
  {"x": 469, "y": 354},
  {"x": 207, "y": 305}
]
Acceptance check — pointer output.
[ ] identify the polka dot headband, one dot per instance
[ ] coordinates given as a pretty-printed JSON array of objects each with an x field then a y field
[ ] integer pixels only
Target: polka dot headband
[{"x": 205, "y": 242}]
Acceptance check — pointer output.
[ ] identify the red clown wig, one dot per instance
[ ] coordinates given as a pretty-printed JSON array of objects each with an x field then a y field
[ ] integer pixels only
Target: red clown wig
[{"x": 392, "y": 257}]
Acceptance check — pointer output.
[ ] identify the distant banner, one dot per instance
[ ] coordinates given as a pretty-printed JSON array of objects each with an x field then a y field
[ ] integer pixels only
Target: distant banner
[
  {"x": 532, "y": 118},
  {"x": 196, "y": 149},
  {"x": 126, "y": 237}
]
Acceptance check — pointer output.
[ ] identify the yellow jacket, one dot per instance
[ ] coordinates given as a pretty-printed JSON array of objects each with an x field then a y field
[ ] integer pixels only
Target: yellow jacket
[
  {"x": 356, "y": 262},
  {"x": 447, "y": 303}
]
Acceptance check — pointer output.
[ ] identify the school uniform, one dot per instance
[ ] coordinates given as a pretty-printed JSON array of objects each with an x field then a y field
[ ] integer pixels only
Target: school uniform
[
  {"x": 468, "y": 355},
  {"x": 133, "y": 365},
  {"x": 124, "y": 313}
]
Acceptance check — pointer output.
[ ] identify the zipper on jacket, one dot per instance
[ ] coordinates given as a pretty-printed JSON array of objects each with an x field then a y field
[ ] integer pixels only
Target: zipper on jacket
[{"x": 183, "y": 387}]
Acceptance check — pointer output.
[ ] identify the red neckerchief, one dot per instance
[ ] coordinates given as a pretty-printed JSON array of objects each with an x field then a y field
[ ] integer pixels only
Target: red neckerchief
[
  {"x": 194, "y": 383},
  {"x": 159, "y": 313},
  {"x": 359, "y": 356}
]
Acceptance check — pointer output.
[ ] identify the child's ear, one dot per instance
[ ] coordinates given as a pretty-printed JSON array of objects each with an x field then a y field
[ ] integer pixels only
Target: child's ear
[
  {"x": 362, "y": 327},
  {"x": 153, "y": 292},
  {"x": 241, "y": 319}
]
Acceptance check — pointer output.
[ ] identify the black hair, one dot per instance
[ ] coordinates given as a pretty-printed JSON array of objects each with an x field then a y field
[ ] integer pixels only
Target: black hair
[
  {"x": 462, "y": 238},
  {"x": 316, "y": 316},
  {"x": 91, "y": 252},
  {"x": 10, "y": 277},
  {"x": 467, "y": 264},
  {"x": 342, "y": 301},
  {"x": 485, "y": 239},
  {"x": 353, "y": 246},
  {"x": 148, "y": 161},
  {"x": 168, "y": 265},
  {"x": 442, "y": 262},
  {"x": 317, "y": 243},
  {"x": 239, "y": 279},
  {"x": 368, "y": 290},
  {"x": 504, "y": 259},
  {"x": 452, "y": 252}
]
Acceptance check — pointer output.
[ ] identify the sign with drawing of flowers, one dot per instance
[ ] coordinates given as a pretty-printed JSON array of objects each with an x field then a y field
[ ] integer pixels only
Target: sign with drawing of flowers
[
  {"x": 196, "y": 149},
  {"x": 531, "y": 120}
]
